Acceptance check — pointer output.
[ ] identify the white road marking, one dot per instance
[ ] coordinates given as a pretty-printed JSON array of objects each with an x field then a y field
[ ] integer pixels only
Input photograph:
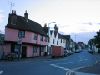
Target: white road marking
[
  {"x": 1, "y": 71},
  {"x": 78, "y": 68},
  {"x": 70, "y": 62},
  {"x": 61, "y": 63},
  {"x": 66, "y": 69},
  {"x": 81, "y": 60},
  {"x": 85, "y": 59},
  {"x": 81, "y": 67},
  {"x": 70, "y": 72},
  {"x": 65, "y": 63}
]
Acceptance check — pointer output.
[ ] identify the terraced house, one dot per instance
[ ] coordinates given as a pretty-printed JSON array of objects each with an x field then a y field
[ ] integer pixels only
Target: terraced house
[
  {"x": 55, "y": 40},
  {"x": 24, "y": 36}
]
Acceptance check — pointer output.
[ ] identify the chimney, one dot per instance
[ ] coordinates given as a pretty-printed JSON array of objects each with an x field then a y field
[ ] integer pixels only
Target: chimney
[
  {"x": 12, "y": 18},
  {"x": 26, "y": 15},
  {"x": 14, "y": 12},
  {"x": 56, "y": 28}
]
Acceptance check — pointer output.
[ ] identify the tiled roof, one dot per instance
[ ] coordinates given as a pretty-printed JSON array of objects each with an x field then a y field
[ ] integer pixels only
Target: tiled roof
[
  {"x": 67, "y": 37},
  {"x": 45, "y": 29},
  {"x": 22, "y": 24},
  {"x": 61, "y": 36}
]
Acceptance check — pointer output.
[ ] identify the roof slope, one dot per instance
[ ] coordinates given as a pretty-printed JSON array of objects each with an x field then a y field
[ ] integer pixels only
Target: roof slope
[{"x": 22, "y": 24}]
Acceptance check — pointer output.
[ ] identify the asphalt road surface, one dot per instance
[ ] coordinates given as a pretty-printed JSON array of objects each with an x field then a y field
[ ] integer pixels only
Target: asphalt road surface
[{"x": 48, "y": 66}]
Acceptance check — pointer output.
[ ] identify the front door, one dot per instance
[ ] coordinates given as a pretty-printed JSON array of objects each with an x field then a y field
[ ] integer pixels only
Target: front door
[
  {"x": 40, "y": 51},
  {"x": 24, "y": 51}
]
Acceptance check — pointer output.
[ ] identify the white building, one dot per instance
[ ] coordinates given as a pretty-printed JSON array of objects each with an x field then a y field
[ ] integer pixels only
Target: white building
[{"x": 55, "y": 38}]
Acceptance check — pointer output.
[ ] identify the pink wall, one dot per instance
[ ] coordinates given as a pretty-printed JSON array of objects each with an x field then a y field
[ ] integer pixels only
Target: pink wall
[
  {"x": 12, "y": 35},
  {"x": 36, "y": 53},
  {"x": 41, "y": 42},
  {"x": 29, "y": 51}
]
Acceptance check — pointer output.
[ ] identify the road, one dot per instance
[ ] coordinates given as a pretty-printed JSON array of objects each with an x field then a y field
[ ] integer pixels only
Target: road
[{"x": 42, "y": 66}]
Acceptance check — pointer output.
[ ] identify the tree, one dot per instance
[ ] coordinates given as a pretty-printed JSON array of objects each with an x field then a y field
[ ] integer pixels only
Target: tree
[
  {"x": 91, "y": 42},
  {"x": 1, "y": 45},
  {"x": 97, "y": 39}
]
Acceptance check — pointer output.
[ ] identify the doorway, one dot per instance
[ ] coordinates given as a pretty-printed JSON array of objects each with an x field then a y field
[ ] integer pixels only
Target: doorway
[{"x": 24, "y": 51}]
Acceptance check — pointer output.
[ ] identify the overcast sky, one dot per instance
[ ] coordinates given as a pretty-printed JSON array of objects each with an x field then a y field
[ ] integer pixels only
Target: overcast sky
[{"x": 75, "y": 17}]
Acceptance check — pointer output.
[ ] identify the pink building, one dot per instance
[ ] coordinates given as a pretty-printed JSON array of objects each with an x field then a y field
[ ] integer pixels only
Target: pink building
[{"x": 24, "y": 36}]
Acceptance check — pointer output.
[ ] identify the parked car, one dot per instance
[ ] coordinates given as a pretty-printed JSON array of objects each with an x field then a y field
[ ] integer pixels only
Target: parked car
[
  {"x": 90, "y": 51},
  {"x": 77, "y": 51},
  {"x": 65, "y": 53}
]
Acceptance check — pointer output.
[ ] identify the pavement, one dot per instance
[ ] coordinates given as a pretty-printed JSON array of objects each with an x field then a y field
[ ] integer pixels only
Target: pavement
[
  {"x": 28, "y": 59},
  {"x": 94, "y": 69},
  {"x": 91, "y": 70}
]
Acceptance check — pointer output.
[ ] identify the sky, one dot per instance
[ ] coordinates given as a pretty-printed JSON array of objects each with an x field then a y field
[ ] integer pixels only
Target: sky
[{"x": 79, "y": 18}]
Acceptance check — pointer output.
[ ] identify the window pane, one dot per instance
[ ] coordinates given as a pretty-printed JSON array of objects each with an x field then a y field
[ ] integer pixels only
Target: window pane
[
  {"x": 46, "y": 39},
  {"x": 35, "y": 36},
  {"x": 34, "y": 49},
  {"x": 41, "y": 38},
  {"x": 21, "y": 34}
]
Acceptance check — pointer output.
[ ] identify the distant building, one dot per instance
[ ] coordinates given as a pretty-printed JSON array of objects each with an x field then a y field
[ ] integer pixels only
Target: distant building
[
  {"x": 81, "y": 45},
  {"x": 72, "y": 45},
  {"x": 24, "y": 36},
  {"x": 68, "y": 41}
]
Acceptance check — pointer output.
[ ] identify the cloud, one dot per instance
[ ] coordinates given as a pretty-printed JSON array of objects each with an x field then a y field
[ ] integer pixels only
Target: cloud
[
  {"x": 1, "y": 21},
  {"x": 83, "y": 37},
  {"x": 1, "y": 16}
]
